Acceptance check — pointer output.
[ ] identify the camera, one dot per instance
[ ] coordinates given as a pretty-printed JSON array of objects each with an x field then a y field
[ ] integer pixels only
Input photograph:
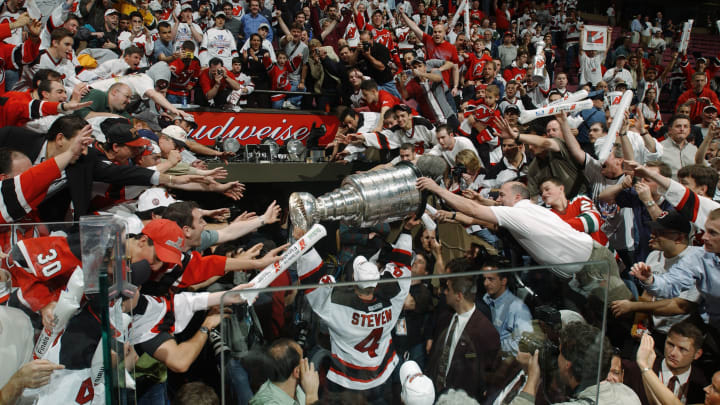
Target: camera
[
  {"x": 458, "y": 171},
  {"x": 366, "y": 46},
  {"x": 547, "y": 350}
]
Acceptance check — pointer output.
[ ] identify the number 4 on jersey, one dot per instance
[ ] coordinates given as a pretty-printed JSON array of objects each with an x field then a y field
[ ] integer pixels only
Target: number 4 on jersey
[{"x": 370, "y": 343}]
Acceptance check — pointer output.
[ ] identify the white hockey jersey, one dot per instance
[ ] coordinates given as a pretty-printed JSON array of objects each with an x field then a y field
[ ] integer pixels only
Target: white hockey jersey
[
  {"x": 360, "y": 332},
  {"x": 141, "y": 41},
  {"x": 421, "y": 134}
]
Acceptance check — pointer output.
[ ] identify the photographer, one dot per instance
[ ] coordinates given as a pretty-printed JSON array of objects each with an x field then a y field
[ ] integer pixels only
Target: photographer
[
  {"x": 373, "y": 59},
  {"x": 577, "y": 360},
  {"x": 216, "y": 83}
]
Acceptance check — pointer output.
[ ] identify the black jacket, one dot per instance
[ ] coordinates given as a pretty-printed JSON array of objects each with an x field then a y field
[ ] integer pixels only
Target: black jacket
[{"x": 80, "y": 175}]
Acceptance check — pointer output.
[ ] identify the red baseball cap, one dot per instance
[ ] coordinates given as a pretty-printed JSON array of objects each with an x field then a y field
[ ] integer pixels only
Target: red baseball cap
[{"x": 167, "y": 238}]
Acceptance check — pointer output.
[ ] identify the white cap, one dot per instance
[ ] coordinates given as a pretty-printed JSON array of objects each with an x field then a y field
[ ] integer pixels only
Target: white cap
[
  {"x": 177, "y": 134},
  {"x": 111, "y": 11},
  {"x": 153, "y": 198},
  {"x": 365, "y": 272},
  {"x": 155, "y": 6},
  {"x": 417, "y": 388}
]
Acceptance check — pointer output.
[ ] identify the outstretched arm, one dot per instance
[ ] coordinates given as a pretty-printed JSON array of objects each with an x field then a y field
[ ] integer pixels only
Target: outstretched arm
[
  {"x": 576, "y": 151},
  {"x": 462, "y": 204},
  {"x": 411, "y": 24},
  {"x": 507, "y": 132}
]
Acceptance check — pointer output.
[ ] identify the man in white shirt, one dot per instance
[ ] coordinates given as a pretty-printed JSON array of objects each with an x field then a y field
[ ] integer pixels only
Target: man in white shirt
[
  {"x": 678, "y": 152},
  {"x": 449, "y": 146},
  {"x": 613, "y": 75},
  {"x": 185, "y": 29},
  {"x": 545, "y": 237},
  {"x": 591, "y": 61}
]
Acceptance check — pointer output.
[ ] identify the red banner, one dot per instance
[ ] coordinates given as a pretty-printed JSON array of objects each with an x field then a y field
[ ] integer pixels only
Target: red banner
[{"x": 251, "y": 128}]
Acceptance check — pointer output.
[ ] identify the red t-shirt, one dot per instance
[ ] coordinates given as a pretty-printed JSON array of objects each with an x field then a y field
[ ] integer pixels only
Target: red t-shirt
[
  {"x": 444, "y": 51},
  {"x": 206, "y": 82},
  {"x": 385, "y": 99}
]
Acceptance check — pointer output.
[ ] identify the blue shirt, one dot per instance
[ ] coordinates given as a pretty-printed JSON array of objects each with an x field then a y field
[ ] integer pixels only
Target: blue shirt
[
  {"x": 162, "y": 49},
  {"x": 636, "y": 25},
  {"x": 511, "y": 318},
  {"x": 698, "y": 268},
  {"x": 251, "y": 24}
]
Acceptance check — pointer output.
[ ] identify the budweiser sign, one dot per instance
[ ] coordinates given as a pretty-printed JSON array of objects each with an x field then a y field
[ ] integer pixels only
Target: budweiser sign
[{"x": 251, "y": 128}]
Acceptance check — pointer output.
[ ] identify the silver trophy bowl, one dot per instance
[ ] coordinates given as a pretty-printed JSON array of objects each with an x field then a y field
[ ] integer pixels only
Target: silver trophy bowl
[{"x": 363, "y": 199}]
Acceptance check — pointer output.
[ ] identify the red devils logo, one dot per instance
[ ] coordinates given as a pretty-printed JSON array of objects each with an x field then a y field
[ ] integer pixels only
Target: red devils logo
[{"x": 483, "y": 113}]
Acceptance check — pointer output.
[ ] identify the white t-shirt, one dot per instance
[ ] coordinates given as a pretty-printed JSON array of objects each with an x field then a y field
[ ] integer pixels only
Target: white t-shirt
[
  {"x": 590, "y": 68},
  {"x": 184, "y": 34},
  {"x": 461, "y": 143},
  {"x": 138, "y": 82},
  {"x": 544, "y": 235},
  {"x": 16, "y": 341}
]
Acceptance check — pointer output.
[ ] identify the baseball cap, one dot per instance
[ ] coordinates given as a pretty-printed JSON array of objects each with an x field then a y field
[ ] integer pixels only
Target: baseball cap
[
  {"x": 511, "y": 108},
  {"x": 220, "y": 14},
  {"x": 189, "y": 119},
  {"x": 155, "y": 6},
  {"x": 178, "y": 135},
  {"x": 187, "y": 7},
  {"x": 620, "y": 56},
  {"x": 671, "y": 221},
  {"x": 419, "y": 59},
  {"x": 111, "y": 11},
  {"x": 264, "y": 25},
  {"x": 119, "y": 130},
  {"x": 167, "y": 238},
  {"x": 596, "y": 95},
  {"x": 365, "y": 272},
  {"x": 709, "y": 108},
  {"x": 701, "y": 59},
  {"x": 417, "y": 388},
  {"x": 154, "y": 197}
]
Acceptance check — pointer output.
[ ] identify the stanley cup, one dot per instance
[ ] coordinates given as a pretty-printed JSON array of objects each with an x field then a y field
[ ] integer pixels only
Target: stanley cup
[{"x": 369, "y": 198}]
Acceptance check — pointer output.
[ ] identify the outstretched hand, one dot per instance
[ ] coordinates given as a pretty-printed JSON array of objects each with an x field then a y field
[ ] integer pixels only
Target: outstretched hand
[
  {"x": 426, "y": 183},
  {"x": 642, "y": 272}
]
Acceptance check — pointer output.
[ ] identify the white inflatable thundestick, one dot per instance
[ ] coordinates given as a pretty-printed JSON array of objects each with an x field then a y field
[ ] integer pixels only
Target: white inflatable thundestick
[
  {"x": 618, "y": 118},
  {"x": 272, "y": 271},
  {"x": 530, "y": 115}
]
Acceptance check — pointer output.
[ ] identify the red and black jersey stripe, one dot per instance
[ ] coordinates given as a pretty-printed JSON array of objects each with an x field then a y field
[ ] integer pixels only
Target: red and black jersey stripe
[
  {"x": 689, "y": 205},
  {"x": 358, "y": 373}
]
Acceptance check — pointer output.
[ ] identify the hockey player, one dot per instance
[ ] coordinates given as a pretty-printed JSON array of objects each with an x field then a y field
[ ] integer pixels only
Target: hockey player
[{"x": 361, "y": 319}]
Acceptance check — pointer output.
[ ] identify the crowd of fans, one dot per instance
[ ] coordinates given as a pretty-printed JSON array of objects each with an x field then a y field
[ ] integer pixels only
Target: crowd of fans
[{"x": 627, "y": 224}]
